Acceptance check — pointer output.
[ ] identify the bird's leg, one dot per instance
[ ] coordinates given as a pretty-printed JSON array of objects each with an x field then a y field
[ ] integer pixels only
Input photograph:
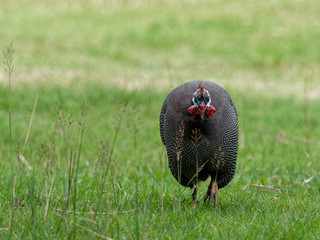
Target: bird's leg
[
  {"x": 208, "y": 192},
  {"x": 194, "y": 195},
  {"x": 212, "y": 192}
]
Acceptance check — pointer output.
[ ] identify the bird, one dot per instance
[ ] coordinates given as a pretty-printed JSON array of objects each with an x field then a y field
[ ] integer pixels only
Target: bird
[{"x": 199, "y": 129}]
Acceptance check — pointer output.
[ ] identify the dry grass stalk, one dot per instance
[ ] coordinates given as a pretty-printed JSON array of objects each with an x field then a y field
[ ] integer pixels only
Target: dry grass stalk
[
  {"x": 1, "y": 150},
  {"x": 306, "y": 181},
  {"x": 283, "y": 136},
  {"x": 95, "y": 212},
  {"x": 196, "y": 137},
  {"x": 93, "y": 232},
  {"x": 9, "y": 68},
  {"x": 12, "y": 207},
  {"x": 179, "y": 140},
  {"x": 135, "y": 125},
  {"x": 262, "y": 186},
  {"x": 178, "y": 149},
  {"x": 30, "y": 124},
  {"x": 48, "y": 195},
  {"x": 24, "y": 161},
  {"x": 161, "y": 179},
  {"x": 122, "y": 113},
  {"x": 306, "y": 117},
  {"x": 199, "y": 170},
  {"x": 87, "y": 229}
]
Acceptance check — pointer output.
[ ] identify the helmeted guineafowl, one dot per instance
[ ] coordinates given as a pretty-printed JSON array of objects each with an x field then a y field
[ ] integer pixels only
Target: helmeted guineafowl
[{"x": 199, "y": 128}]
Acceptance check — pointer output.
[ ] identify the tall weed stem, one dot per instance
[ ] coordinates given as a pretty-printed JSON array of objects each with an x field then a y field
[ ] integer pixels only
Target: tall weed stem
[{"x": 9, "y": 68}]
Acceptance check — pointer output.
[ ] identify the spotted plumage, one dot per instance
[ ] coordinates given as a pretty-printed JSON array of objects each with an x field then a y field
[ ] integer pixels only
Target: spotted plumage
[{"x": 213, "y": 117}]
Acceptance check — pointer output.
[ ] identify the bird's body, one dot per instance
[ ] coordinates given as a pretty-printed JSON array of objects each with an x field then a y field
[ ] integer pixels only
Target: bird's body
[{"x": 198, "y": 145}]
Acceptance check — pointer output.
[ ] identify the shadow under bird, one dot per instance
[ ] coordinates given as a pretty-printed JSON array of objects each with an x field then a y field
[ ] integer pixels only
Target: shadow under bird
[{"x": 199, "y": 128}]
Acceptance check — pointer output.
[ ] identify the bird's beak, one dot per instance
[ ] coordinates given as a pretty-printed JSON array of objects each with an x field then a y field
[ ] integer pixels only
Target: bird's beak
[{"x": 202, "y": 110}]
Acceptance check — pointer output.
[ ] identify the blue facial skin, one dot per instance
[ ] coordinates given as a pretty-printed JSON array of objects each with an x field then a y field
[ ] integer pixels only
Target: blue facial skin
[{"x": 202, "y": 100}]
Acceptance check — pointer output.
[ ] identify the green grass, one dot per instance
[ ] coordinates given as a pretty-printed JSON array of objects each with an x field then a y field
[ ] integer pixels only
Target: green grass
[
  {"x": 82, "y": 62},
  {"x": 140, "y": 196}
]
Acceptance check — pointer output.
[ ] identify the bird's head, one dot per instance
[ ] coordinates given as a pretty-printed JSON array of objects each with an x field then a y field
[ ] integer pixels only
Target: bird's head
[{"x": 201, "y": 103}]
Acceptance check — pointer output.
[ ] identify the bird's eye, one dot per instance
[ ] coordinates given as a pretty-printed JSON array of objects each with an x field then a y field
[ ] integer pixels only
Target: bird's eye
[
  {"x": 206, "y": 97},
  {"x": 196, "y": 97}
]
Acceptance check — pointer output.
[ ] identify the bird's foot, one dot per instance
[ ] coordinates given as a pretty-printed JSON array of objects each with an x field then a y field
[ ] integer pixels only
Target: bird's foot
[
  {"x": 194, "y": 204},
  {"x": 212, "y": 192},
  {"x": 194, "y": 196}
]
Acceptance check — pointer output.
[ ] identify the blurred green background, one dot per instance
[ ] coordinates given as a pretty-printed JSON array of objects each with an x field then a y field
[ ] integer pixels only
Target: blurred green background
[{"x": 267, "y": 46}]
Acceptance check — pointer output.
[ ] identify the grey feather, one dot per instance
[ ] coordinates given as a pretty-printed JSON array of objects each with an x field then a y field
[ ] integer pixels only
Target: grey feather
[{"x": 217, "y": 152}]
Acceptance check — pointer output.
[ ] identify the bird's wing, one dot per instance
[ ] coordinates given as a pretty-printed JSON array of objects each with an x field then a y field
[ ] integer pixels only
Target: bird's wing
[{"x": 162, "y": 120}]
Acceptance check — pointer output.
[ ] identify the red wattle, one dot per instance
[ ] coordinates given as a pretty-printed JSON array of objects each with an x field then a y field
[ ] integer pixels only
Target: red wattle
[
  {"x": 210, "y": 111},
  {"x": 193, "y": 111}
]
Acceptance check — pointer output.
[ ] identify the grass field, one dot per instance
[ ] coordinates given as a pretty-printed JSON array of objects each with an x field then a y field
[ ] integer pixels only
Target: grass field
[{"x": 85, "y": 159}]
